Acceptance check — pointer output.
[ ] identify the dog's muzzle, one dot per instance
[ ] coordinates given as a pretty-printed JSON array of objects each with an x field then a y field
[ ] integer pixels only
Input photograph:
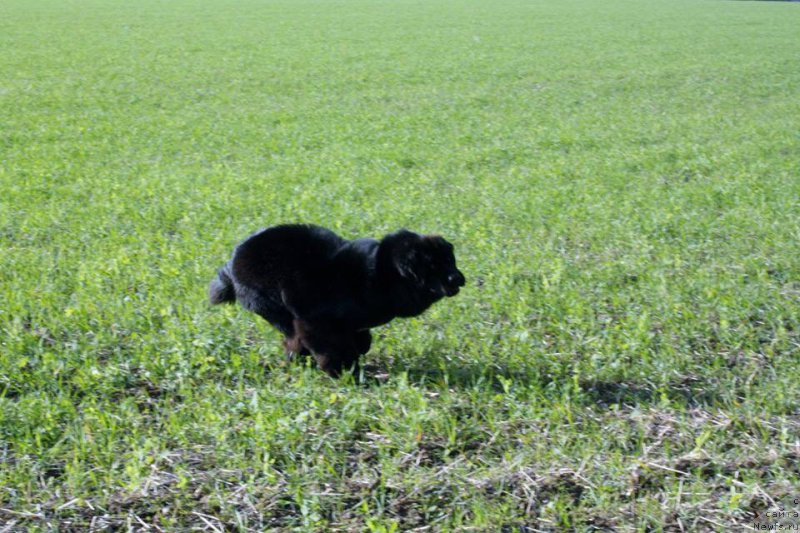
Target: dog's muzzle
[{"x": 453, "y": 282}]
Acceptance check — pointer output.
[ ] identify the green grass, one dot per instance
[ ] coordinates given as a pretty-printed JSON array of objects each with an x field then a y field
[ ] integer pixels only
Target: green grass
[{"x": 621, "y": 181}]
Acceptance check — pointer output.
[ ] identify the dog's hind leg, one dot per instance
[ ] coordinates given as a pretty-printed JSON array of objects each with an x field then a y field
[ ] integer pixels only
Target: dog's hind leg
[
  {"x": 362, "y": 341},
  {"x": 275, "y": 312},
  {"x": 333, "y": 350},
  {"x": 293, "y": 346}
]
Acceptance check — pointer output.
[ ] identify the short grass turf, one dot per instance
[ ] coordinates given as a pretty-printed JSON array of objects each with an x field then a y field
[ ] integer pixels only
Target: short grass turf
[{"x": 620, "y": 180}]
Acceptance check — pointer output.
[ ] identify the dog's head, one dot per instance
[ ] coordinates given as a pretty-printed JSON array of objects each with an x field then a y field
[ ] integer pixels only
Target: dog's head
[{"x": 427, "y": 262}]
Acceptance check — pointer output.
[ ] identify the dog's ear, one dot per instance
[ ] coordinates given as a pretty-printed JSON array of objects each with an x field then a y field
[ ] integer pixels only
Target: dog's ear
[
  {"x": 404, "y": 262},
  {"x": 403, "y": 246}
]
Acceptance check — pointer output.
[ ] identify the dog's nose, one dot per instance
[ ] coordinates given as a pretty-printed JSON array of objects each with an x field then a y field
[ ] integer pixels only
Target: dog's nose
[{"x": 456, "y": 278}]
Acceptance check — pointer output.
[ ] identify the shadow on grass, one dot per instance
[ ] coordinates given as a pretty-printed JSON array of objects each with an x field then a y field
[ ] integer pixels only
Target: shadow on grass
[{"x": 688, "y": 390}]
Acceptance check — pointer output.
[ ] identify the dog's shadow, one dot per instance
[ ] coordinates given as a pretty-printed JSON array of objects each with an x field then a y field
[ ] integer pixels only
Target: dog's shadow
[
  {"x": 502, "y": 378},
  {"x": 460, "y": 377}
]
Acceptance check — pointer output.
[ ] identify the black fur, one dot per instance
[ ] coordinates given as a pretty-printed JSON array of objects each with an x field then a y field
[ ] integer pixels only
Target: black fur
[
  {"x": 221, "y": 288},
  {"x": 324, "y": 293}
]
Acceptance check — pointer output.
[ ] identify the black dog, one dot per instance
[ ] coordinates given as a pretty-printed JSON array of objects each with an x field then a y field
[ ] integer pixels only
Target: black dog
[{"x": 324, "y": 293}]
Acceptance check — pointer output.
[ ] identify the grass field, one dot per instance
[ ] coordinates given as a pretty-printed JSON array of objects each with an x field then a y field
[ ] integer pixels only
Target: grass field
[{"x": 622, "y": 184}]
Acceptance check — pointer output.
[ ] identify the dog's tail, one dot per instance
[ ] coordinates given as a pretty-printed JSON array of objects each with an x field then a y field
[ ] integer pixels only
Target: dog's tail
[{"x": 221, "y": 288}]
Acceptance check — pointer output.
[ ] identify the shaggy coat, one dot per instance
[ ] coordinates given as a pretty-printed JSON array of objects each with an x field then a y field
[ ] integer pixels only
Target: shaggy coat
[{"x": 324, "y": 293}]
